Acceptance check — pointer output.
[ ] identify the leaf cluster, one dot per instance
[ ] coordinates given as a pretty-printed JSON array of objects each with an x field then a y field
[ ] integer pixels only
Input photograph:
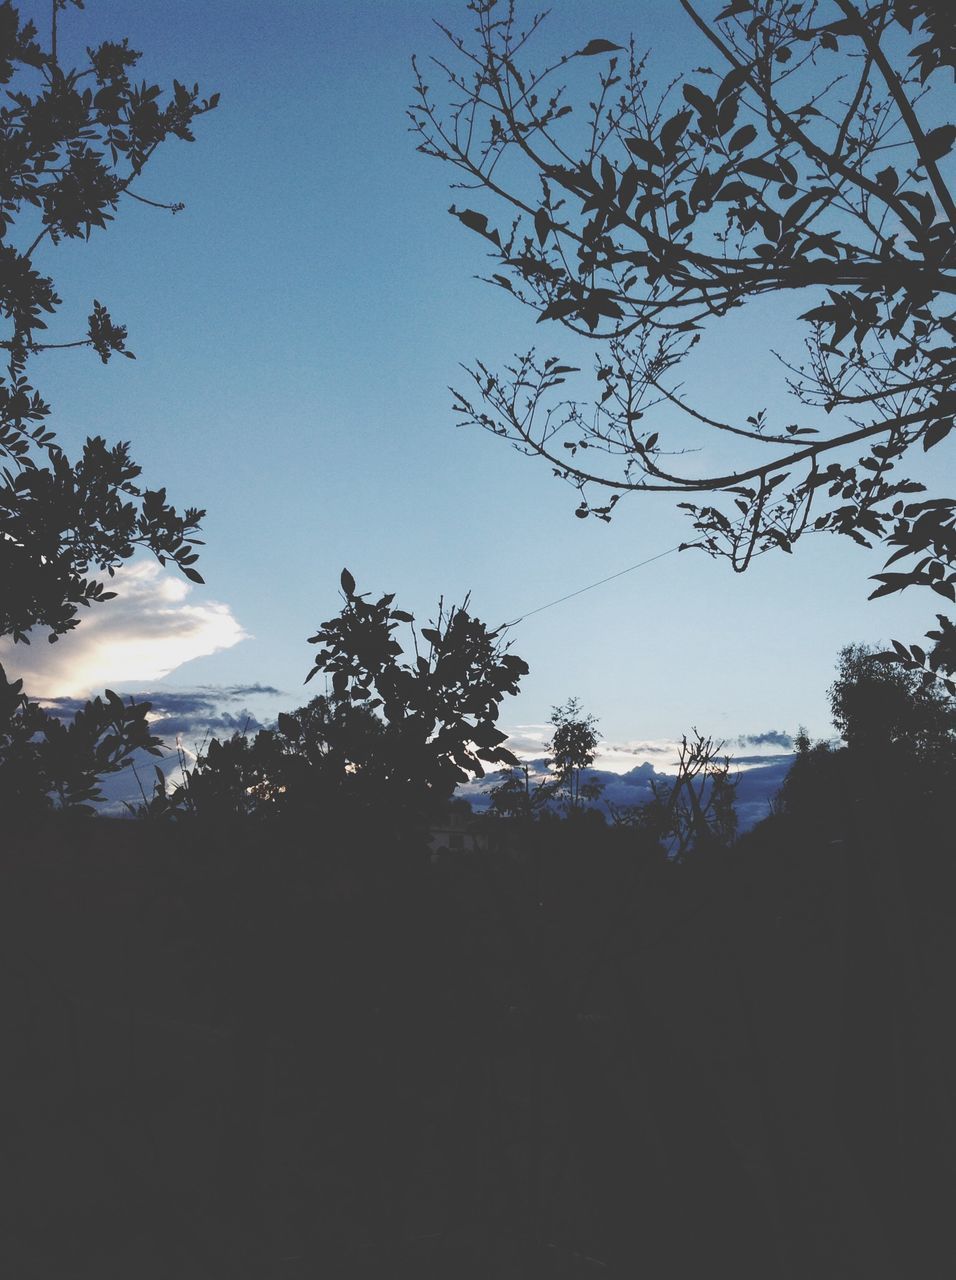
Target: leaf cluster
[
  {"x": 47, "y": 764},
  {"x": 397, "y": 729}
]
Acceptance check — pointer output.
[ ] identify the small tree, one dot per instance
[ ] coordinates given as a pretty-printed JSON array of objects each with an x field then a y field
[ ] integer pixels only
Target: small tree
[
  {"x": 697, "y": 809},
  {"x": 803, "y": 167},
  {"x": 571, "y": 751},
  {"x": 516, "y": 796}
]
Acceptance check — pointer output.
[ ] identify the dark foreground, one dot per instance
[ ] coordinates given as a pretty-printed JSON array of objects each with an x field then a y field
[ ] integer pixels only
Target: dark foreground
[{"x": 251, "y": 1054}]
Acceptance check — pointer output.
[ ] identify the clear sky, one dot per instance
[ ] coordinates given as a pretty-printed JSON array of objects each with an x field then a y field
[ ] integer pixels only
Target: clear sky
[{"x": 296, "y": 329}]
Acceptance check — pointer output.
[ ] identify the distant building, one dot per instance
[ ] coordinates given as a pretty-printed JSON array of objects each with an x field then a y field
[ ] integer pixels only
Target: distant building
[{"x": 458, "y": 831}]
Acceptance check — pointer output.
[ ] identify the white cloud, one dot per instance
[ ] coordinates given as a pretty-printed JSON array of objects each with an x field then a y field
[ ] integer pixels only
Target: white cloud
[
  {"x": 145, "y": 633},
  {"x": 528, "y": 741}
]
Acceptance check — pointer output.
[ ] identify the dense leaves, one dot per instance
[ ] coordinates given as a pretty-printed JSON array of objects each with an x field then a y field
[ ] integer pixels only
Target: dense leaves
[
  {"x": 399, "y": 727},
  {"x": 45, "y": 763},
  {"x": 878, "y": 706},
  {"x": 899, "y": 752}
]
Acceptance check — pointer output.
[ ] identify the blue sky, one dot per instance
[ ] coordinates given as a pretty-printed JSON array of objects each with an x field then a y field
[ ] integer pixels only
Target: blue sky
[{"x": 296, "y": 329}]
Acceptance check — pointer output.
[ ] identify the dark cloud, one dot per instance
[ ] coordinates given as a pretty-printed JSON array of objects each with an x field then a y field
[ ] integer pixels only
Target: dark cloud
[
  {"x": 181, "y": 726},
  {"x": 189, "y": 714},
  {"x": 758, "y": 760},
  {"x": 772, "y": 738},
  {"x": 233, "y": 692}
]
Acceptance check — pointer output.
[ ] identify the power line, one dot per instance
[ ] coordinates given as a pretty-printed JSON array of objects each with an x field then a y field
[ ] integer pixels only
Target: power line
[{"x": 600, "y": 583}]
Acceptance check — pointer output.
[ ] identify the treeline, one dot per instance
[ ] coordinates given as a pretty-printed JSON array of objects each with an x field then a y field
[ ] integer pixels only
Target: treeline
[{"x": 285, "y": 1035}]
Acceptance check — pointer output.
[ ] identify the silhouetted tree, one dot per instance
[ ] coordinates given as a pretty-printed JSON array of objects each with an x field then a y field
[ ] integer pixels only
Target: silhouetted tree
[
  {"x": 46, "y": 763},
  {"x": 395, "y": 731},
  {"x": 75, "y": 142},
  {"x": 516, "y": 796},
  {"x": 647, "y": 221},
  {"x": 879, "y": 706},
  {"x": 816, "y": 784},
  {"x": 571, "y": 751},
  {"x": 696, "y": 810},
  {"x": 900, "y": 744}
]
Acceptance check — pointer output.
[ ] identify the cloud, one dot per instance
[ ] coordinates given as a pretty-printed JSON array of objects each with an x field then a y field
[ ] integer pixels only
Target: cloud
[
  {"x": 757, "y": 785},
  {"x": 525, "y": 739},
  {"x": 772, "y": 738},
  {"x": 189, "y": 714},
  {"x": 147, "y": 631}
]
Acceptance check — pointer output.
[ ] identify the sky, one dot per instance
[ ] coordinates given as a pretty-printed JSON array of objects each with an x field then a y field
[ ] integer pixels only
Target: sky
[{"x": 296, "y": 329}]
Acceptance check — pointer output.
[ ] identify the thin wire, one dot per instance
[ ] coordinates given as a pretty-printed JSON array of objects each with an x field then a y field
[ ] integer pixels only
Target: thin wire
[{"x": 600, "y": 583}]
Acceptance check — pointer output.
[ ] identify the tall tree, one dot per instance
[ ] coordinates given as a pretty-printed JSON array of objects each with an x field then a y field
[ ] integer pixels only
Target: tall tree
[
  {"x": 806, "y": 165},
  {"x": 571, "y": 751},
  {"x": 74, "y": 143}
]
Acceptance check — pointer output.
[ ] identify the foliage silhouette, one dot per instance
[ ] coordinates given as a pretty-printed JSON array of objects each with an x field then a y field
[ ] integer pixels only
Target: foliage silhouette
[
  {"x": 899, "y": 753},
  {"x": 571, "y": 751},
  {"x": 878, "y": 706},
  {"x": 44, "y": 762},
  {"x": 569, "y": 1055},
  {"x": 694, "y": 813},
  {"x": 649, "y": 220},
  {"x": 397, "y": 730},
  {"x": 75, "y": 142}
]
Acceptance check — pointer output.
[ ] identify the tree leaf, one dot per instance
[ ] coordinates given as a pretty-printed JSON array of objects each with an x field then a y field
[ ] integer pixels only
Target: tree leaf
[
  {"x": 597, "y": 46},
  {"x": 939, "y": 142},
  {"x": 348, "y": 583},
  {"x": 476, "y": 222},
  {"x": 742, "y": 138},
  {"x": 645, "y": 150},
  {"x": 704, "y": 105},
  {"x": 935, "y": 432},
  {"x": 673, "y": 129}
]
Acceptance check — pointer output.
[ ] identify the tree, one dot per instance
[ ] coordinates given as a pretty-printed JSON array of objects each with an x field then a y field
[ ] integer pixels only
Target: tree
[
  {"x": 515, "y": 796},
  {"x": 877, "y": 706},
  {"x": 571, "y": 751},
  {"x": 44, "y": 761},
  {"x": 806, "y": 167},
  {"x": 694, "y": 812},
  {"x": 393, "y": 733},
  {"x": 899, "y": 751},
  {"x": 74, "y": 144}
]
